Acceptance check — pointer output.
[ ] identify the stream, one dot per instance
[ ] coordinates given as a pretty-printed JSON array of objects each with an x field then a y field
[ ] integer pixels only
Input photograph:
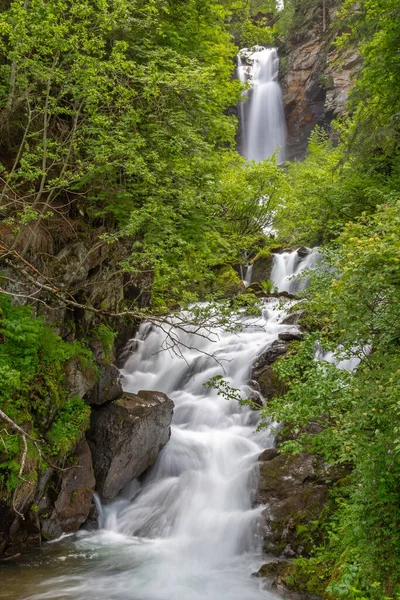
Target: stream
[{"x": 189, "y": 529}]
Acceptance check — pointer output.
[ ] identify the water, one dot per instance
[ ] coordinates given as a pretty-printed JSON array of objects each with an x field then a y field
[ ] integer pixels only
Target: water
[
  {"x": 288, "y": 267},
  {"x": 262, "y": 116},
  {"x": 189, "y": 531},
  {"x": 248, "y": 275}
]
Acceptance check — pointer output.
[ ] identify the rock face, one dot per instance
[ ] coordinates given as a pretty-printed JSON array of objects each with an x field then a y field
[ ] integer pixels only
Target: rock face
[
  {"x": 78, "y": 381},
  {"x": 294, "y": 488},
  {"x": 72, "y": 506},
  {"x": 126, "y": 436},
  {"x": 295, "y": 491},
  {"x": 108, "y": 388},
  {"x": 316, "y": 79}
]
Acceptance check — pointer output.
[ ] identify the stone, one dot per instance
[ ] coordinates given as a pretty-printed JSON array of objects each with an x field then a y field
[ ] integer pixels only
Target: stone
[
  {"x": 294, "y": 489},
  {"x": 317, "y": 80},
  {"x": 126, "y": 436},
  {"x": 303, "y": 251},
  {"x": 285, "y": 475},
  {"x": 293, "y": 318},
  {"x": 277, "y": 349},
  {"x": 291, "y": 336},
  {"x": 262, "y": 269},
  {"x": 268, "y": 454},
  {"x": 74, "y": 500},
  {"x": 108, "y": 388},
  {"x": 273, "y": 569},
  {"x": 270, "y": 384},
  {"x": 71, "y": 265},
  {"x": 78, "y": 381}
]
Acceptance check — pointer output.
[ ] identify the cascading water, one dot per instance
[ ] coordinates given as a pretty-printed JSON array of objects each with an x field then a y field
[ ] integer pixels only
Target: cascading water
[
  {"x": 262, "y": 117},
  {"x": 248, "y": 275},
  {"x": 189, "y": 531},
  {"x": 288, "y": 267}
]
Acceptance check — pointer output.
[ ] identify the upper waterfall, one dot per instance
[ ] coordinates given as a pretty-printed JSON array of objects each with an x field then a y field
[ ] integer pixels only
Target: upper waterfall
[{"x": 262, "y": 117}]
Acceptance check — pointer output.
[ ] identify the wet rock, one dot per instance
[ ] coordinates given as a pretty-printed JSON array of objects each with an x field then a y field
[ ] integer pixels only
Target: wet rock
[
  {"x": 262, "y": 269},
  {"x": 270, "y": 384},
  {"x": 273, "y": 569},
  {"x": 277, "y": 349},
  {"x": 108, "y": 388},
  {"x": 303, "y": 251},
  {"x": 293, "y": 318},
  {"x": 291, "y": 336},
  {"x": 268, "y": 381},
  {"x": 74, "y": 500},
  {"x": 268, "y": 454},
  {"x": 125, "y": 437},
  {"x": 285, "y": 475}
]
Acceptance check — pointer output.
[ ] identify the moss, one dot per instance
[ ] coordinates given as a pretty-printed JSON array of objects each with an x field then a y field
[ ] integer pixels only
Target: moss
[
  {"x": 228, "y": 282},
  {"x": 33, "y": 392},
  {"x": 308, "y": 576}
]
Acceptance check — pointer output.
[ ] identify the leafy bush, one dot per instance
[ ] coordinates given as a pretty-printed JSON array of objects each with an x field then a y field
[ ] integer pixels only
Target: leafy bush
[
  {"x": 356, "y": 299},
  {"x": 32, "y": 389}
]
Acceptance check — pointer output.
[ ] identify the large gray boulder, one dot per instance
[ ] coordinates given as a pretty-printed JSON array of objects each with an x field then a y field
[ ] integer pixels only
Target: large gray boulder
[
  {"x": 73, "y": 503},
  {"x": 126, "y": 436}
]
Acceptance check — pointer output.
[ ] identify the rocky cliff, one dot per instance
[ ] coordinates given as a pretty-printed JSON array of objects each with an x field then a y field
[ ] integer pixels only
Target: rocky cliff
[{"x": 316, "y": 76}]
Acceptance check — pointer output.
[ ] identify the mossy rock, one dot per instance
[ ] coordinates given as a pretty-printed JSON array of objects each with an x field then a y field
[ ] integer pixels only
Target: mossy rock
[{"x": 227, "y": 282}]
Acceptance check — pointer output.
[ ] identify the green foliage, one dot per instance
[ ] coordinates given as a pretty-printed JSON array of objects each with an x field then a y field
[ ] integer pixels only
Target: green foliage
[
  {"x": 308, "y": 576},
  {"x": 107, "y": 336},
  {"x": 121, "y": 109},
  {"x": 32, "y": 388},
  {"x": 356, "y": 299},
  {"x": 71, "y": 422},
  {"x": 267, "y": 286},
  {"x": 248, "y": 21},
  {"x": 327, "y": 189}
]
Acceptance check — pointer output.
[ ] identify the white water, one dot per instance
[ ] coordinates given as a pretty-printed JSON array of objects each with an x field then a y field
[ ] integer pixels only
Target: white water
[
  {"x": 262, "y": 115},
  {"x": 288, "y": 267},
  {"x": 190, "y": 530},
  {"x": 248, "y": 275}
]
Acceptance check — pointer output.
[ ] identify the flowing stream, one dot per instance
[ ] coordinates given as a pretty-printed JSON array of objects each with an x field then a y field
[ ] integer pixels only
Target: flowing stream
[
  {"x": 288, "y": 269},
  {"x": 189, "y": 530},
  {"x": 262, "y": 118}
]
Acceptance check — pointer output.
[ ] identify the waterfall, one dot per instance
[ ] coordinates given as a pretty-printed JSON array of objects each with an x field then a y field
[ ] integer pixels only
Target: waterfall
[
  {"x": 189, "y": 530},
  {"x": 242, "y": 74},
  {"x": 248, "y": 275},
  {"x": 288, "y": 266},
  {"x": 262, "y": 116}
]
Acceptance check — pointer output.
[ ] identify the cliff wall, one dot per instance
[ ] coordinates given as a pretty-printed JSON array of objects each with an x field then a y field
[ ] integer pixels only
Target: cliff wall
[{"x": 316, "y": 76}]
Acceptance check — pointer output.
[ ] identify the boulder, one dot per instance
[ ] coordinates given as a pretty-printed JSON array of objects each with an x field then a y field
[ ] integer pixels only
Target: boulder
[
  {"x": 294, "y": 489},
  {"x": 79, "y": 381},
  {"x": 293, "y": 318},
  {"x": 291, "y": 336},
  {"x": 270, "y": 384},
  {"x": 126, "y": 436},
  {"x": 303, "y": 251},
  {"x": 74, "y": 500},
  {"x": 262, "y": 268},
  {"x": 108, "y": 388},
  {"x": 277, "y": 349}
]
